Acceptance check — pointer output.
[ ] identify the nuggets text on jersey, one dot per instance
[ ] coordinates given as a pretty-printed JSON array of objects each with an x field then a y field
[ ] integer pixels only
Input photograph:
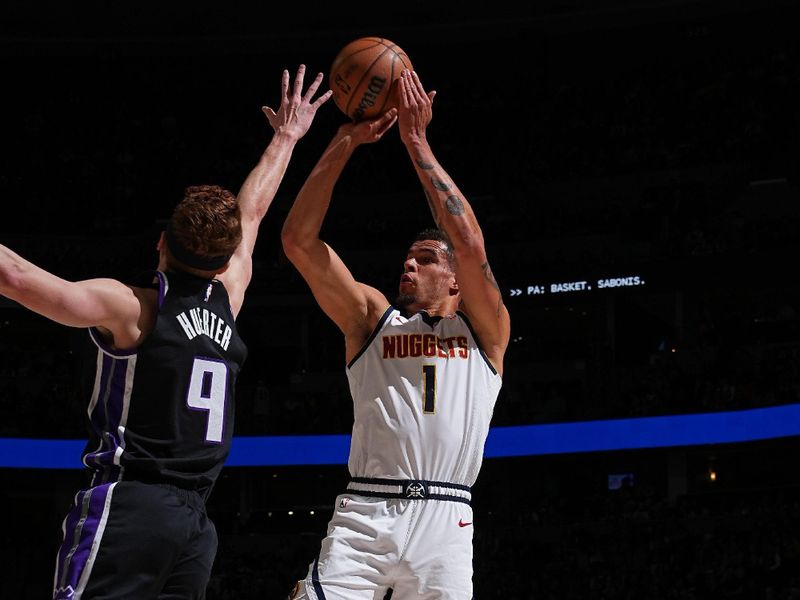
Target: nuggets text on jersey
[{"x": 424, "y": 344}]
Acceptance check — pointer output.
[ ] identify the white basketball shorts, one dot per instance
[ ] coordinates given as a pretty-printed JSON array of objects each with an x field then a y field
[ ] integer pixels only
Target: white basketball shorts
[{"x": 422, "y": 549}]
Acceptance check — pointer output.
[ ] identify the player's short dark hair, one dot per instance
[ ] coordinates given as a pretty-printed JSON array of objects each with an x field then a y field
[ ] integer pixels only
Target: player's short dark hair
[{"x": 431, "y": 233}]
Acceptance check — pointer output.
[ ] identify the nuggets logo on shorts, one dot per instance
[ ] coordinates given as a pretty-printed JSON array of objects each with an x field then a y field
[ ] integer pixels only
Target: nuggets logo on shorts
[{"x": 416, "y": 489}]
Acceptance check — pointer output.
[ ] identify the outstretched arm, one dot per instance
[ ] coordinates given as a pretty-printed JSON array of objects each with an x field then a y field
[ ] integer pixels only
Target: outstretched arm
[
  {"x": 290, "y": 123},
  {"x": 104, "y": 303},
  {"x": 354, "y": 307},
  {"x": 480, "y": 295}
]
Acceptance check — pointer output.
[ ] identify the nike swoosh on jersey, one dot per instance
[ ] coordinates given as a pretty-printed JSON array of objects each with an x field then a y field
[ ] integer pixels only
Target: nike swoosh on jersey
[{"x": 462, "y": 524}]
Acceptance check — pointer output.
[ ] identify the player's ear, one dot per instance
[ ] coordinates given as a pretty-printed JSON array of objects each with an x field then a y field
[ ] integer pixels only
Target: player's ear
[
  {"x": 162, "y": 241},
  {"x": 454, "y": 289}
]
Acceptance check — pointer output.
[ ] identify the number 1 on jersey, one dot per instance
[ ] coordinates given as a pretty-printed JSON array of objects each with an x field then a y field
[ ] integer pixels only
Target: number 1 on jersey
[
  {"x": 207, "y": 391},
  {"x": 429, "y": 393}
]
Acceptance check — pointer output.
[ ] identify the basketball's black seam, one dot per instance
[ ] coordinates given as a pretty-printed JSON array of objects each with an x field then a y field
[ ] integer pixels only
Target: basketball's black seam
[
  {"x": 374, "y": 62},
  {"x": 391, "y": 83},
  {"x": 397, "y": 56},
  {"x": 340, "y": 60},
  {"x": 358, "y": 83}
]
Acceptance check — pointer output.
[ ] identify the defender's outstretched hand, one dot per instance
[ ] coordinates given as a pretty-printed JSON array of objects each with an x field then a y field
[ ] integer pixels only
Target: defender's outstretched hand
[
  {"x": 297, "y": 111},
  {"x": 290, "y": 123}
]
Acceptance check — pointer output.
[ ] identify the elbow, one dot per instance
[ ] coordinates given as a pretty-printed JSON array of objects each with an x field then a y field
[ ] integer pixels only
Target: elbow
[
  {"x": 11, "y": 279},
  {"x": 291, "y": 242},
  {"x": 470, "y": 245}
]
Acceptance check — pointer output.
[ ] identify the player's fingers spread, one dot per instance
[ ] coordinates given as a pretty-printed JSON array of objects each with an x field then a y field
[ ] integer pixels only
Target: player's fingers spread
[
  {"x": 285, "y": 84},
  {"x": 312, "y": 89},
  {"x": 298, "y": 80},
  {"x": 322, "y": 99},
  {"x": 268, "y": 111}
]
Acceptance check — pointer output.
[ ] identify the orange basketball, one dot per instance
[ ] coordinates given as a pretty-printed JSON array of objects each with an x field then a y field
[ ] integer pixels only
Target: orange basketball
[{"x": 363, "y": 77}]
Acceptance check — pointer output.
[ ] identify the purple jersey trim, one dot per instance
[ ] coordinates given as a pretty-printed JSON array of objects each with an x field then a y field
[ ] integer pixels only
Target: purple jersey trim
[
  {"x": 83, "y": 530},
  {"x": 106, "y": 417},
  {"x": 163, "y": 287},
  {"x": 97, "y": 338}
]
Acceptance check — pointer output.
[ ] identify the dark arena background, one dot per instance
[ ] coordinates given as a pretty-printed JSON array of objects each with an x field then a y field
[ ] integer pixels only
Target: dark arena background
[{"x": 634, "y": 166}]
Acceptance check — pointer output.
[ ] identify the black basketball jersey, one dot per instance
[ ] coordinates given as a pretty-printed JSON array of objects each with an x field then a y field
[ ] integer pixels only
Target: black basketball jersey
[{"x": 163, "y": 412}]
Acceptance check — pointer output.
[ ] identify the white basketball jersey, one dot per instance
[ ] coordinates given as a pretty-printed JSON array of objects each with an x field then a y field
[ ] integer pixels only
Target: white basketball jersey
[{"x": 423, "y": 394}]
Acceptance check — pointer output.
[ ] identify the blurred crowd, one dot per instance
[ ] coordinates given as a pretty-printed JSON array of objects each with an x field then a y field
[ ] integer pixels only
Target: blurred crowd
[
  {"x": 677, "y": 162},
  {"x": 712, "y": 330},
  {"x": 294, "y": 380},
  {"x": 631, "y": 543},
  {"x": 620, "y": 544}
]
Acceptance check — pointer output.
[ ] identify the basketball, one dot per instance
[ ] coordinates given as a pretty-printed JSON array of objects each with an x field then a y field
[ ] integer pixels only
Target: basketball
[{"x": 363, "y": 77}]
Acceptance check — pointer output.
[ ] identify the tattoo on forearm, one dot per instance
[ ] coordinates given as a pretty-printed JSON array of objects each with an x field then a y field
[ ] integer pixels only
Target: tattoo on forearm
[
  {"x": 487, "y": 273},
  {"x": 440, "y": 185},
  {"x": 425, "y": 166},
  {"x": 454, "y": 205},
  {"x": 432, "y": 205}
]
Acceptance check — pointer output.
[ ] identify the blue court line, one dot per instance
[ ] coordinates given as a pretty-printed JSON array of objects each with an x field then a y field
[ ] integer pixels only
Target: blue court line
[
  {"x": 647, "y": 432},
  {"x": 528, "y": 440}
]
